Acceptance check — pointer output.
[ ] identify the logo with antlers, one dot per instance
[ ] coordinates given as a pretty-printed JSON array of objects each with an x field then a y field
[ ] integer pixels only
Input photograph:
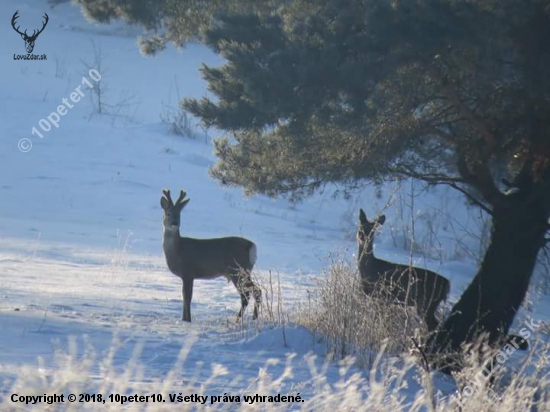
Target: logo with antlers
[{"x": 29, "y": 40}]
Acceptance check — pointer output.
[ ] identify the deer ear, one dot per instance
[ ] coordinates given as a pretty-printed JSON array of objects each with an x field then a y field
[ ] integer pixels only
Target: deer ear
[
  {"x": 381, "y": 219},
  {"x": 23, "y": 36},
  {"x": 362, "y": 216},
  {"x": 163, "y": 203}
]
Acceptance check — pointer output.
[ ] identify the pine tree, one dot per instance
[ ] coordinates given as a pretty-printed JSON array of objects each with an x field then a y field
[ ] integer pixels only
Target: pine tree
[{"x": 446, "y": 91}]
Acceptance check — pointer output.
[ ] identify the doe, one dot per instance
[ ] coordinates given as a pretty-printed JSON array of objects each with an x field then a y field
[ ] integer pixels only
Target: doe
[{"x": 408, "y": 285}]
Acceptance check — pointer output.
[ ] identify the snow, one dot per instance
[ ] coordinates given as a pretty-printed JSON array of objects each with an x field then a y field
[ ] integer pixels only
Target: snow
[{"x": 81, "y": 261}]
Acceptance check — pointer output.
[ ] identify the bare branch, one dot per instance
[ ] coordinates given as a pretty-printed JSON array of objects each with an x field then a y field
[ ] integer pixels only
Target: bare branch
[
  {"x": 472, "y": 198},
  {"x": 464, "y": 110},
  {"x": 454, "y": 182},
  {"x": 426, "y": 363},
  {"x": 480, "y": 178}
]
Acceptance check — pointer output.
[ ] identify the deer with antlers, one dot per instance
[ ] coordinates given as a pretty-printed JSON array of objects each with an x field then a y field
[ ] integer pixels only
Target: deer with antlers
[
  {"x": 29, "y": 40},
  {"x": 190, "y": 259}
]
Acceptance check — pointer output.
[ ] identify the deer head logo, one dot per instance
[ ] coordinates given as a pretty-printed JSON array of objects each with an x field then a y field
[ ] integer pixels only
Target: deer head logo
[{"x": 29, "y": 40}]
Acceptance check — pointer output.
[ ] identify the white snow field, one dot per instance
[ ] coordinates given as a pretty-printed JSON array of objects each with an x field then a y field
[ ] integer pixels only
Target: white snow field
[{"x": 87, "y": 304}]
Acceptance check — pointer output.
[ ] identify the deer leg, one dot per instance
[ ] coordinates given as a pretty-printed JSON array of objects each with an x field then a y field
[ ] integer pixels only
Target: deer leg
[
  {"x": 245, "y": 296},
  {"x": 251, "y": 287},
  {"x": 241, "y": 285},
  {"x": 244, "y": 291},
  {"x": 187, "y": 292},
  {"x": 257, "y": 293}
]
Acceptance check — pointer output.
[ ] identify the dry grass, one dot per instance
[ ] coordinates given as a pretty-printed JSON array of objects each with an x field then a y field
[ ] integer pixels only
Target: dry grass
[
  {"x": 354, "y": 324},
  {"x": 375, "y": 332},
  {"x": 386, "y": 387}
]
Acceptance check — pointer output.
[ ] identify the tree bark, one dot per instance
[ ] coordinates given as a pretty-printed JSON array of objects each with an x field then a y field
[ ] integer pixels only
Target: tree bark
[{"x": 492, "y": 300}]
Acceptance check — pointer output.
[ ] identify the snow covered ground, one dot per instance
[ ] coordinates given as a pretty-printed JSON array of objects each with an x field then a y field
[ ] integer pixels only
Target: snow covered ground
[{"x": 81, "y": 264}]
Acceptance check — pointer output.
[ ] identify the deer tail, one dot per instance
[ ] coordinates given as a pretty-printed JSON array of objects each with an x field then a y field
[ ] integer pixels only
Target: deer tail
[{"x": 252, "y": 254}]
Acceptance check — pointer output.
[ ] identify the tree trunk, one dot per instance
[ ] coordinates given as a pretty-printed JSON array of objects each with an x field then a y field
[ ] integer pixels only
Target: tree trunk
[{"x": 492, "y": 300}]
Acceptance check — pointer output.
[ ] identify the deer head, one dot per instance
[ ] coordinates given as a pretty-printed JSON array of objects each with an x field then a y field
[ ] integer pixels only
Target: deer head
[
  {"x": 29, "y": 40},
  {"x": 172, "y": 210},
  {"x": 366, "y": 231}
]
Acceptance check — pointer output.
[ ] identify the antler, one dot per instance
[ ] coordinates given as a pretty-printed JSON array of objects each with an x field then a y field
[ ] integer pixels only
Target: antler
[
  {"x": 13, "y": 19},
  {"x": 181, "y": 197},
  {"x": 166, "y": 193},
  {"x": 34, "y": 33},
  {"x": 43, "y": 26}
]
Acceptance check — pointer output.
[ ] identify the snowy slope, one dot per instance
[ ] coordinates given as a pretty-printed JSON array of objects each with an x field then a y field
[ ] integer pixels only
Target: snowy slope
[{"x": 80, "y": 222}]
